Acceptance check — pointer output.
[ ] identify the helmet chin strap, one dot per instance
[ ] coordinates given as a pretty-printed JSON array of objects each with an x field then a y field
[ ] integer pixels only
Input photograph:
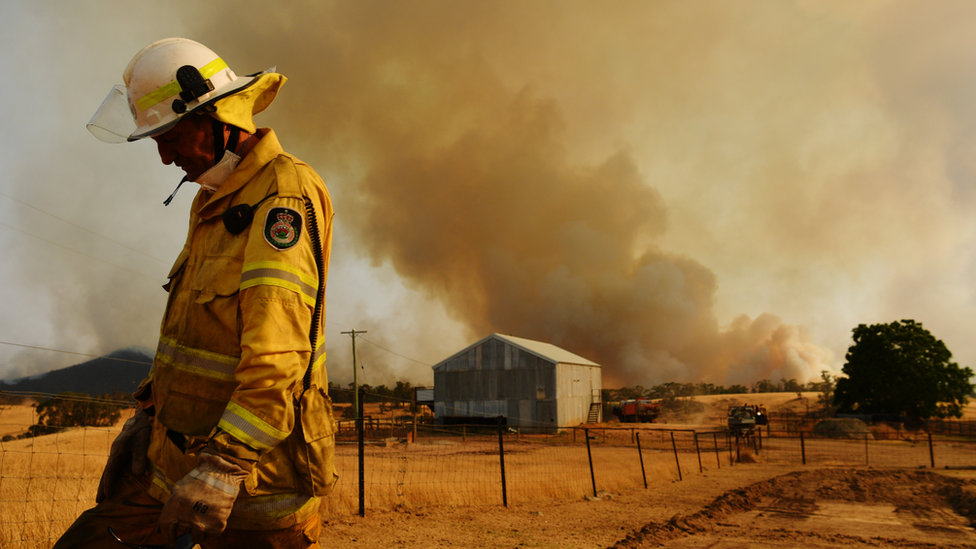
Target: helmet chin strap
[
  {"x": 219, "y": 149},
  {"x": 218, "y": 134}
]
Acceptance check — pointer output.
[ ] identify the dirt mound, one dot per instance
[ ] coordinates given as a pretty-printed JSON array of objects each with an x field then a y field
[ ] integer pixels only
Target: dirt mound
[
  {"x": 842, "y": 428},
  {"x": 910, "y": 492}
]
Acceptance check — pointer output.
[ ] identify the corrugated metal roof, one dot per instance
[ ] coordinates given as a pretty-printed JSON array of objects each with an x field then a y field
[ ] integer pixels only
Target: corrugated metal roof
[{"x": 547, "y": 351}]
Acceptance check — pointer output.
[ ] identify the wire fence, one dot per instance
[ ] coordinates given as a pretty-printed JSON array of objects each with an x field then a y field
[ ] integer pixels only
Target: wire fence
[{"x": 395, "y": 460}]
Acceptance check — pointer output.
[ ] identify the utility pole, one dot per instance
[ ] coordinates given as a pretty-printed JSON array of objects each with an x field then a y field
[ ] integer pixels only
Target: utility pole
[{"x": 355, "y": 372}]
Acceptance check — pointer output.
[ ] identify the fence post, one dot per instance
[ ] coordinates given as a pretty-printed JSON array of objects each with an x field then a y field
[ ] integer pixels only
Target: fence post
[
  {"x": 728, "y": 439},
  {"x": 678, "y": 463},
  {"x": 361, "y": 429},
  {"x": 589, "y": 454},
  {"x": 803, "y": 449},
  {"x": 718, "y": 460},
  {"x": 931, "y": 452},
  {"x": 698, "y": 451},
  {"x": 867, "y": 461},
  {"x": 501, "y": 457},
  {"x": 640, "y": 454}
]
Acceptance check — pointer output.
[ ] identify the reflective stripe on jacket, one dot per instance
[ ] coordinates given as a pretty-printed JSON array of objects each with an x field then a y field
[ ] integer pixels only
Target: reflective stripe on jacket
[{"x": 234, "y": 342}]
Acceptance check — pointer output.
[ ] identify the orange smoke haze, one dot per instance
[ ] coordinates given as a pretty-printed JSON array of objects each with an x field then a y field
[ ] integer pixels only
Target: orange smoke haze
[
  {"x": 467, "y": 180},
  {"x": 680, "y": 191}
]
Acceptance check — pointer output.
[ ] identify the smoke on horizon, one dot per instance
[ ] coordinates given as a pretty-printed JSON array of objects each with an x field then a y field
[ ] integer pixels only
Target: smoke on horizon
[
  {"x": 468, "y": 182},
  {"x": 678, "y": 191}
]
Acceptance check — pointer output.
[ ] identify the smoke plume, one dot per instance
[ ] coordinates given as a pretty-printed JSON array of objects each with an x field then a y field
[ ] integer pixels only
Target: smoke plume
[
  {"x": 671, "y": 189},
  {"x": 467, "y": 180}
]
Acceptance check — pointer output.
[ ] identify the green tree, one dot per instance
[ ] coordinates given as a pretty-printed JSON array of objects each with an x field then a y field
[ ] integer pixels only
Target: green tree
[
  {"x": 901, "y": 368},
  {"x": 825, "y": 388},
  {"x": 790, "y": 385},
  {"x": 403, "y": 391},
  {"x": 70, "y": 409},
  {"x": 765, "y": 386}
]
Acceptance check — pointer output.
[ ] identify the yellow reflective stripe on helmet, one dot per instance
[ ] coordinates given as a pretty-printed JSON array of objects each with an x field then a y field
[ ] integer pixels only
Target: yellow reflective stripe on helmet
[
  {"x": 196, "y": 361},
  {"x": 166, "y": 91},
  {"x": 249, "y": 428},
  {"x": 283, "y": 275}
]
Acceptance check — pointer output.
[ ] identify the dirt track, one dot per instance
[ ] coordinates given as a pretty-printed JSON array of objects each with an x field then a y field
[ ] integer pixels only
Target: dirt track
[{"x": 750, "y": 505}]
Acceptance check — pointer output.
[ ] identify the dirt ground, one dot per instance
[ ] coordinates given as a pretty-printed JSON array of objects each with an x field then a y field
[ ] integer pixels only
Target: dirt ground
[
  {"x": 757, "y": 505},
  {"x": 750, "y": 505}
]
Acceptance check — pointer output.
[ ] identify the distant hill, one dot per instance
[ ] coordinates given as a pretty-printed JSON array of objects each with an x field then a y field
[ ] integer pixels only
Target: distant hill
[{"x": 120, "y": 370}]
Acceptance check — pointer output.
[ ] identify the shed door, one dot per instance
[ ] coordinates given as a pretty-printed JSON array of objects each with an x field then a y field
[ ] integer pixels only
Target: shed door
[{"x": 545, "y": 411}]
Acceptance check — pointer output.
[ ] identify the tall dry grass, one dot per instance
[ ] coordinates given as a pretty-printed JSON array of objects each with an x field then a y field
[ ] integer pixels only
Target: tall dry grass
[{"x": 46, "y": 482}]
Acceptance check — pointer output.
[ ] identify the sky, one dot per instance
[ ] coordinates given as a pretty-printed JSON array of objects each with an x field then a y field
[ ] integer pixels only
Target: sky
[{"x": 679, "y": 191}]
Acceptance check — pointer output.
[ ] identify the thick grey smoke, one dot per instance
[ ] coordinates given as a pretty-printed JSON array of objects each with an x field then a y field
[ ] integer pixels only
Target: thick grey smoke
[
  {"x": 670, "y": 189},
  {"x": 464, "y": 175}
]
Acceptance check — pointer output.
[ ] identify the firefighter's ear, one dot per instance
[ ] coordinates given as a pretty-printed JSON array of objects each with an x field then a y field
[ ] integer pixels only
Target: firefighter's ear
[{"x": 237, "y": 219}]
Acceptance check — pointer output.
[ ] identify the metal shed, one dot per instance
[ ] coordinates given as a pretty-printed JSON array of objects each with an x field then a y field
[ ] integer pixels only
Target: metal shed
[{"x": 534, "y": 385}]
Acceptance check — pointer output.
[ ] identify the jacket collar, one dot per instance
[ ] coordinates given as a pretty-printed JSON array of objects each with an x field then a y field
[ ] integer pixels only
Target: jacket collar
[{"x": 267, "y": 149}]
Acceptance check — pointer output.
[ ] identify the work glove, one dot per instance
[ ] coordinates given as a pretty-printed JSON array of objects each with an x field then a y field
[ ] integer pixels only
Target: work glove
[
  {"x": 128, "y": 452},
  {"x": 202, "y": 500}
]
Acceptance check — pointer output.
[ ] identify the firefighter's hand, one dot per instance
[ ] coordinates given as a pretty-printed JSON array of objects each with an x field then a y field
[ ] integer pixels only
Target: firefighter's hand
[
  {"x": 128, "y": 452},
  {"x": 202, "y": 500}
]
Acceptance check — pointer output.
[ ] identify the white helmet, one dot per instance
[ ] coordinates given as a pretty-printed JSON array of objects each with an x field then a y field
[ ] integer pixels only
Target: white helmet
[{"x": 165, "y": 81}]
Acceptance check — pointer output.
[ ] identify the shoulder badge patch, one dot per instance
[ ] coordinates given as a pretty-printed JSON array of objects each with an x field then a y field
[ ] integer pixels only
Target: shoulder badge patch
[{"x": 283, "y": 228}]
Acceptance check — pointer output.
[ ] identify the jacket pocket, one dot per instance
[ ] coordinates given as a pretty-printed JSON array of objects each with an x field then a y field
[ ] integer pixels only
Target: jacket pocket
[
  {"x": 311, "y": 445},
  {"x": 213, "y": 318}
]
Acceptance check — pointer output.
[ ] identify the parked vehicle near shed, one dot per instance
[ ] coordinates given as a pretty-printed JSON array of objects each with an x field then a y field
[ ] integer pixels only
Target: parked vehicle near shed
[{"x": 639, "y": 410}]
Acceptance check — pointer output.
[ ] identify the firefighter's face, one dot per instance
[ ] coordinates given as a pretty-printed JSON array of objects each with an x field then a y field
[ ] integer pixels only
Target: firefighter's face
[{"x": 189, "y": 145}]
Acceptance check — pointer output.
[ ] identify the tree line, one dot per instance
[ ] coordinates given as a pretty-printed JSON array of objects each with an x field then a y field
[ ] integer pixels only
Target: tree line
[
  {"x": 69, "y": 409},
  {"x": 671, "y": 390},
  {"x": 401, "y": 393},
  {"x": 898, "y": 369}
]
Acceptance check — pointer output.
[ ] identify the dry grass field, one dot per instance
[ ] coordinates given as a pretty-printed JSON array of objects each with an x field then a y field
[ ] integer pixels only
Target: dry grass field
[
  {"x": 446, "y": 491},
  {"x": 45, "y": 482}
]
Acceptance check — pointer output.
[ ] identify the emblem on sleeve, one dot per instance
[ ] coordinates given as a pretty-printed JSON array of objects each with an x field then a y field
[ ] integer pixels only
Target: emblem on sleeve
[{"x": 282, "y": 228}]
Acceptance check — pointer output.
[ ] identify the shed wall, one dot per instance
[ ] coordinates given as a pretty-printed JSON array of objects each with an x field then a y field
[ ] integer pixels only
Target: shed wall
[
  {"x": 576, "y": 385},
  {"x": 496, "y": 378}
]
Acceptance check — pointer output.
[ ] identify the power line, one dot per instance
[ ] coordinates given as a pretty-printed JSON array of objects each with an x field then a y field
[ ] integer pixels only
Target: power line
[
  {"x": 74, "y": 353},
  {"x": 333, "y": 322},
  {"x": 62, "y": 396},
  {"x": 130, "y": 248},
  {"x": 79, "y": 253},
  {"x": 391, "y": 352},
  {"x": 138, "y": 273}
]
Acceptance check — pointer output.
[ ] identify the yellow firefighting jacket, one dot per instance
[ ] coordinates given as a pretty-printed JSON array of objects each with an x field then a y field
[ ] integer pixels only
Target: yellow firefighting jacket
[{"x": 234, "y": 344}]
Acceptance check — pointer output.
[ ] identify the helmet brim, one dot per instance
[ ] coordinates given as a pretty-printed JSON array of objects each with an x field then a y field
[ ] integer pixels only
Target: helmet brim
[{"x": 232, "y": 88}]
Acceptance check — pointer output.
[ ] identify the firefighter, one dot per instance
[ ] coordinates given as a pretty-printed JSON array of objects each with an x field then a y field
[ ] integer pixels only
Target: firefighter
[{"x": 232, "y": 442}]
